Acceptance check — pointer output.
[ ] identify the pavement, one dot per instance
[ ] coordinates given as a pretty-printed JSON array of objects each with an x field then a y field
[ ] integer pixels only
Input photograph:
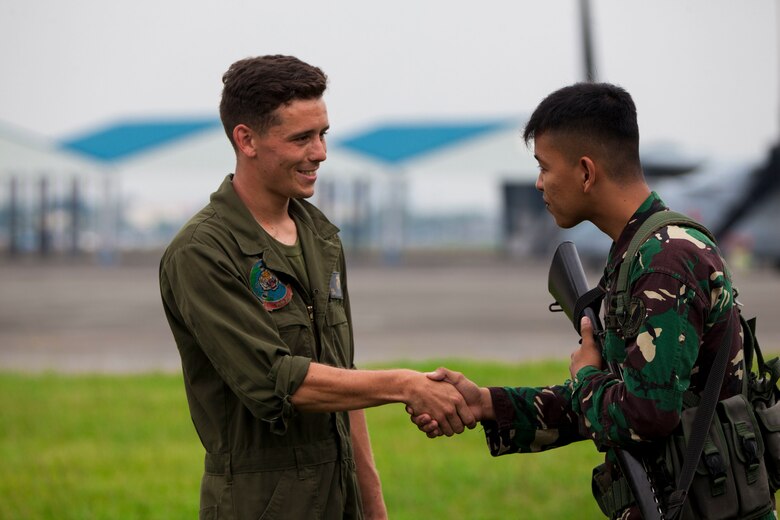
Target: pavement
[{"x": 70, "y": 316}]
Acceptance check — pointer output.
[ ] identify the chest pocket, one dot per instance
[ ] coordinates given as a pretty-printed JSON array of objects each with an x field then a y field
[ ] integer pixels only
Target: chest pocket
[
  {"x": 338, "y": 332},
  {"x": 294, "y": 331}
]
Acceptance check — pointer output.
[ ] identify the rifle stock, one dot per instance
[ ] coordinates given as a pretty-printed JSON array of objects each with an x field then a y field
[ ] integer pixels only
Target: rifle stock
[{"x": 567, "y": 283}]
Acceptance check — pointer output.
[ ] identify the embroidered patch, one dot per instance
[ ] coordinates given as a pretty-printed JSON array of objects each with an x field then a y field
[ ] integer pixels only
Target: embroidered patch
[
  {"x": 635, "y": 318},
  {"x": 268, "y": 288}
]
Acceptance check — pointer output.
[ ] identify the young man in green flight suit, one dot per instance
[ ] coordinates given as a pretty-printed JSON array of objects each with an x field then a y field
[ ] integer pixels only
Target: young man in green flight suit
[
  {"x": 255, "y": 291},
  {"x": 586, "y": 141}
]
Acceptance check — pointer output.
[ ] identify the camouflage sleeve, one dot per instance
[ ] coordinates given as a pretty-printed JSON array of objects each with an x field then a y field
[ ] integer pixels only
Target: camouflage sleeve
[
  {"x": 678, "y": 294},
  {"x": 531, "y": 419}
]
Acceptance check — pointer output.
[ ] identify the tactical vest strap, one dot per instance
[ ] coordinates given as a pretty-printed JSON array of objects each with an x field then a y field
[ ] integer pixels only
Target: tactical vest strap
[{"x": 619, "y": 307}]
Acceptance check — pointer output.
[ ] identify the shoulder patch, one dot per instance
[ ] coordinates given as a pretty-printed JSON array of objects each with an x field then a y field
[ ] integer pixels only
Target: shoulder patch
[
  {"x": 633, "y": 320},
  {"x": 268, "y": 288}
]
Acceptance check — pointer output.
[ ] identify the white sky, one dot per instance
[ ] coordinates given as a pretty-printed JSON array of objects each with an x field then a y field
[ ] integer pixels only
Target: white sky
[{"x": 704, "y": 73}]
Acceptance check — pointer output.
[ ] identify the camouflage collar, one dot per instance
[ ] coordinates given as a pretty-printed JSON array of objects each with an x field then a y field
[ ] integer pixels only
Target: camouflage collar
[{"x": 652, "y": 204}]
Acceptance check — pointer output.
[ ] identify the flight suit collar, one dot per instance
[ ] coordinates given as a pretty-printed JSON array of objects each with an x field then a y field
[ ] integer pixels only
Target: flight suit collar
[
  {"x": 248, "y": 233},
  {"x": 316, "y": 233},
  {"x": 238, "y": 220}
]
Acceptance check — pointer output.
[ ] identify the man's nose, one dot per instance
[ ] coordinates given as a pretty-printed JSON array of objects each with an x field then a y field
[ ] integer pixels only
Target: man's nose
[
  {"x": 539, "y": 184},
  {"x": 319, "y": 151}
]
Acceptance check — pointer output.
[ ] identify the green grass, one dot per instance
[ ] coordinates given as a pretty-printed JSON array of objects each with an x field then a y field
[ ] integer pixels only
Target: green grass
[
  {"x": 92, "y": 447},
  {"x": 457, "y": 478},
  {"x": 123, "y": 447}
]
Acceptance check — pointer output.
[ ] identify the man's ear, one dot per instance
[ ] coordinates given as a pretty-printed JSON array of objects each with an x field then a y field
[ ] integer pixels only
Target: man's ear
[
  {"x": 588, "y": 172},
  {"x": 244, "y": 137}
]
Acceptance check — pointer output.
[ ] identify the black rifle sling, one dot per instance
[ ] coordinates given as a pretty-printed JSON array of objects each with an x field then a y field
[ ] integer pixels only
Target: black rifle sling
[
  {"x": 701, "y": 426},
  {"x": 709, "y": 397},
  {"x": 589, "y": 300}
]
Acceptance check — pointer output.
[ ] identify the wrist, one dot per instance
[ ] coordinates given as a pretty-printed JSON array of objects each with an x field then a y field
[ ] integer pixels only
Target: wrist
[
  {"x": 486, "y": 404},
  {"x": 405, "y": 384},
  {"x": 583, "y": 372}
]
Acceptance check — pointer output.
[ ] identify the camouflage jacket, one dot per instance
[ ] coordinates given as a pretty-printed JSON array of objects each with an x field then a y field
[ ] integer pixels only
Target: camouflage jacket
[{"x": 680, "y": 281}]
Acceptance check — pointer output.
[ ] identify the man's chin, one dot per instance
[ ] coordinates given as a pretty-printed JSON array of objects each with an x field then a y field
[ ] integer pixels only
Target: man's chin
[
  {"x": 304, "y": 194},
  {"x": 568, "y": 224}
]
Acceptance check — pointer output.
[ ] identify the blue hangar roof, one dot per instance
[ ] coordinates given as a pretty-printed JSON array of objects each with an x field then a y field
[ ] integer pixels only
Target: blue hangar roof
[
  {"x": 400, "y": 142},
  {"x": 392, "y": 143},
  {"x": 124, "y": 139}
]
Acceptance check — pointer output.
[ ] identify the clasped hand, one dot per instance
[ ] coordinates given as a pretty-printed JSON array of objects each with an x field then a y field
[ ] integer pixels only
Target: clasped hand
[
  {"x": 474, "y": 403},
  {"x": 468, "y": 405}
]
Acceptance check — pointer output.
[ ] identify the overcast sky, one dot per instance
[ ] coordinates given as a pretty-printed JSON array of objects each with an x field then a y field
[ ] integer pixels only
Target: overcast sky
[{"x": 704, "y": 73}]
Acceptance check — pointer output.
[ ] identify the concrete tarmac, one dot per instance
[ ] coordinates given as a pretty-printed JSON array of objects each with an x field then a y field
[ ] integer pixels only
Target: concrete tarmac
[{"x": 73, "y": 317}]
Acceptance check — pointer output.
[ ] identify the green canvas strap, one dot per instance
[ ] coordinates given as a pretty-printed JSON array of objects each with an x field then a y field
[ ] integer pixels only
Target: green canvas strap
[
  {"x": 618, "y": 312},
  {"x": 653, "y": 223}
]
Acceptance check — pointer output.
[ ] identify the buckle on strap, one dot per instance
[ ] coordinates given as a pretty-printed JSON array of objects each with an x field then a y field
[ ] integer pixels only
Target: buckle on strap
[
  {"x": 717, "y": 471},
  {"x": 749, "y": 445}
]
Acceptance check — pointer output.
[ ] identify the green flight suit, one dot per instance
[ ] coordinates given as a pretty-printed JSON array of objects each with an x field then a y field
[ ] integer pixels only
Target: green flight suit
[{"x": 247, "y": 330}]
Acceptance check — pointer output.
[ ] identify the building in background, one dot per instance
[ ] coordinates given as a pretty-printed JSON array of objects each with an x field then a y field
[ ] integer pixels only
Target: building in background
[
  {"x": 390, "y": 188},
  {"x": 52, "y": 201},
  {"x": 446, "y": 185}
]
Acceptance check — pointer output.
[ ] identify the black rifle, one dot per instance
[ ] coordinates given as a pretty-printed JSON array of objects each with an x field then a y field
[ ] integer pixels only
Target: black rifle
[{"x": 568, "y": 285}]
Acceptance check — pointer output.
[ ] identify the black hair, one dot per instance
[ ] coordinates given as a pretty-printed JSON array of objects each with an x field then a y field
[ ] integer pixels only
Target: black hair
[{"x": 594, "y": 116}]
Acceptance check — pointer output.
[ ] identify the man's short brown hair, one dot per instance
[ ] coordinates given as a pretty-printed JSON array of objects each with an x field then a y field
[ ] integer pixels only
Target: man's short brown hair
[{"x": 253, "y": 88}]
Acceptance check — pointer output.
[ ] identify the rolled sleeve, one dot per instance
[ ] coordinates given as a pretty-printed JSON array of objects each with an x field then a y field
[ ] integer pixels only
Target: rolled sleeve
[
  {"x": 222, "y": 318},
  {"x": 287, "y": 374}
]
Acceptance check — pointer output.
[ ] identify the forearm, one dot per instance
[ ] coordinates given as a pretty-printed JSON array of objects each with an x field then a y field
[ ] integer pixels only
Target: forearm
[
  {"x": 368, "y": 477},
  {"x": 527, "y": 419},
  {"x": 329, "y": 389}
]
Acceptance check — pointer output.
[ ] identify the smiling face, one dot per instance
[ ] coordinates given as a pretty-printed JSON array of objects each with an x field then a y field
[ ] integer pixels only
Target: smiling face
[
  {"x": 287, "y": 155},
  {"x": 560, "y": 180}
]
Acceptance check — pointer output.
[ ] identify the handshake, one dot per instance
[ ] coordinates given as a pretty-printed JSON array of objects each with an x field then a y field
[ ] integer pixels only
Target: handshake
[{"x": 448, "y": 403}]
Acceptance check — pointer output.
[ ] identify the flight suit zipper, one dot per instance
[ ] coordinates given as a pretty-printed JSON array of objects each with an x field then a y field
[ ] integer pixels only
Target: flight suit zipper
[{"x": 315, "y": 331}]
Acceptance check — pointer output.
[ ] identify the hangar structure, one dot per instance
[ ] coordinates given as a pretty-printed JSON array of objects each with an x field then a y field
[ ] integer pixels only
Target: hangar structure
[
  {"x": 50, "y": 197},
  {"x": 389, "y": 187}
]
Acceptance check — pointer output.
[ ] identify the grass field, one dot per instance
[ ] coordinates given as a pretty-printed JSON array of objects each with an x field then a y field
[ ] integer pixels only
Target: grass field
[{"x": 123, "y": 447}]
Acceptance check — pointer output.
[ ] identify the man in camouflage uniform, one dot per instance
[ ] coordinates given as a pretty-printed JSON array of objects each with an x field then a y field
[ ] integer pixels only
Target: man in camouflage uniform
[{"x": 586, "y": 142}]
